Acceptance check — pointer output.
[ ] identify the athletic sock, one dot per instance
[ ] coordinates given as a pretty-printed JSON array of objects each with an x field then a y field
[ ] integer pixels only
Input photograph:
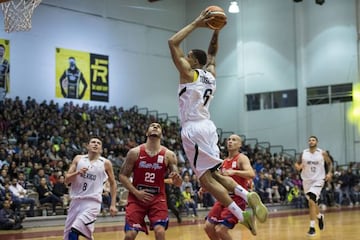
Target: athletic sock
[
  {"x": 312, "y": 223},
  {"x": 236, "y": 210},
  {"x": 241, "y": 192}
]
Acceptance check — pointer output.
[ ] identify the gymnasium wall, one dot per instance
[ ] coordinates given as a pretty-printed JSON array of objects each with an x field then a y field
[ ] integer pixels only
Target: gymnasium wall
[
  {"x": 135, "y": 39},
  {"x": 284, "y": 45},
  {"x": 269, "y": 46}
]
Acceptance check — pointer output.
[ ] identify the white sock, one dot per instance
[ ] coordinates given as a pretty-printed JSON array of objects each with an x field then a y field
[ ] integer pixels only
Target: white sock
[
  {"x": 312, "y": 223},
  {"x": 241, "y": 192},
  {"x": 234, "y": 209},
  {"x": 319, "y": 215}
]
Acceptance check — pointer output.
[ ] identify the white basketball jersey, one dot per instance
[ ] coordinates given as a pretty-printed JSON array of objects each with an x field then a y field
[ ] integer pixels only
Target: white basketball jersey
[
  {"x": 195, "y": 97},
  {"x": 313, "y": 165},
  {"x": 89, "y": 185}
]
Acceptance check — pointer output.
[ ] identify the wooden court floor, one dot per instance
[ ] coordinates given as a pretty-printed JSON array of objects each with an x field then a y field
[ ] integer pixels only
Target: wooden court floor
[{"x": 340, "y": 224}]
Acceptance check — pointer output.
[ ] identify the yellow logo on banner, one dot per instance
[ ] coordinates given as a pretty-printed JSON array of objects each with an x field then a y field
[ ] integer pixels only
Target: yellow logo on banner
[{"x": 354, "y": 110}]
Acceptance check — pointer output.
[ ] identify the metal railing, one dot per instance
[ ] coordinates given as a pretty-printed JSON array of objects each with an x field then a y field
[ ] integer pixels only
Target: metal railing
[{"x": 292, "y": 153}]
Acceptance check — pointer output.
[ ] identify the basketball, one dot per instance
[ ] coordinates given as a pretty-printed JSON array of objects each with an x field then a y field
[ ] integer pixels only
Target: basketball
[{"x": 219, "y": 15}]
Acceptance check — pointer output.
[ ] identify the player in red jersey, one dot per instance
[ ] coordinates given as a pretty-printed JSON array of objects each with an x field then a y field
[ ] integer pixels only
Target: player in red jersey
[
  {"x": 237, "y": 165},
  {"x": 148, "y": 164}
]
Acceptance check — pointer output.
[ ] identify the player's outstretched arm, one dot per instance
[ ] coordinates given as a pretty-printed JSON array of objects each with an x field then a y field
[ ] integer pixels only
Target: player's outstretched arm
[{"x": 113, "y": 186}]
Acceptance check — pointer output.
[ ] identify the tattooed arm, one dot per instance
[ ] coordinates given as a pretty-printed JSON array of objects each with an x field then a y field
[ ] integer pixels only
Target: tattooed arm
[{"x": 212, "y": 50}]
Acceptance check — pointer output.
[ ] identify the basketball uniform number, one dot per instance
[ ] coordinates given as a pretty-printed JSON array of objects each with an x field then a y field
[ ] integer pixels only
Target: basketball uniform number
[
  {"x": 149, "y": 177},
  {"x": 313, "y": 169},
  {"x": 84, "y": 186},
  {"x": 207, "y": 95}
]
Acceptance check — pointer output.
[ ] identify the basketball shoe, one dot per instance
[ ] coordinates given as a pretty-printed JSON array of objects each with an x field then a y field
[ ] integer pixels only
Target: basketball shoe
[
  {"x": 260, "y": 210},
  {"x": 311, "y": 232},
  {"x": 321, "y": 222},
  {"x": 249, "y": 222}
]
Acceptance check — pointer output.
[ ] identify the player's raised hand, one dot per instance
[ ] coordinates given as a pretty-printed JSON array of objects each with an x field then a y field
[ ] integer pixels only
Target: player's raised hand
[{"x": 176, "y": 178}]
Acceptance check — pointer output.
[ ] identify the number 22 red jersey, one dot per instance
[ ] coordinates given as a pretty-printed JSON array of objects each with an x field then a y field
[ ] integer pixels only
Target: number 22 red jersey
[{"x": 149, "y": 173}]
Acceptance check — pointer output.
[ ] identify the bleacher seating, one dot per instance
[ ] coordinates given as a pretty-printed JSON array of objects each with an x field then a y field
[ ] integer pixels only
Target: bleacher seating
[{"x": 26, "y": 140}]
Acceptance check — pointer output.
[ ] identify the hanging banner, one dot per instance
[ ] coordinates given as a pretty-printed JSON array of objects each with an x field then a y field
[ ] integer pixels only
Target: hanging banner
[
  {"x": 82, "y": 75},
  {"x": 4, "y": 68}
]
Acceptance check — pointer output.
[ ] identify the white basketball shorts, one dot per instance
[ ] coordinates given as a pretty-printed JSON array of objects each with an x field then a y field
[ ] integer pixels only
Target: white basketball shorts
[{"x": 200, "y": 139}]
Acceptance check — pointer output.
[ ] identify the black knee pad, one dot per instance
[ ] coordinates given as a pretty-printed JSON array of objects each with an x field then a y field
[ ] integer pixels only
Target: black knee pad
[
  {"x": 74, "y": 230},
  {"x": 312, "y": 196}
]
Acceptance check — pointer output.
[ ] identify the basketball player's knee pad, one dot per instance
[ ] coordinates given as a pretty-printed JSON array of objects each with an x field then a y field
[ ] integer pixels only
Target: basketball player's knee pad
[
  {"x": 312, "y": 196},
  {"x": 74, "y": 234}
]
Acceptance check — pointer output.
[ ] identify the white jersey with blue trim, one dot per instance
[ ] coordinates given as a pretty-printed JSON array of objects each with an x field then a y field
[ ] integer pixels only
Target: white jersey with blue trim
[
  {"x": 195, "y": 97},
  {"x": 313, "y": 165},
  {"x": 89, "y": 185}
]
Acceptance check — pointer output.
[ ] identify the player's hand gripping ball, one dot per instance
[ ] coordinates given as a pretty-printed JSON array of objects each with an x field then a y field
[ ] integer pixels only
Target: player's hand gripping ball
[{"x": 219, "y": 18}]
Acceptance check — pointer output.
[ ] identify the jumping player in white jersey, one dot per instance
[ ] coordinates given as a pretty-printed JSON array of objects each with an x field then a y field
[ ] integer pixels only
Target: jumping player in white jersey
[
  {"x": 87, "y": 175},
  {"x": 199, "y": 137},
  {"x": 312, "y": 166}
]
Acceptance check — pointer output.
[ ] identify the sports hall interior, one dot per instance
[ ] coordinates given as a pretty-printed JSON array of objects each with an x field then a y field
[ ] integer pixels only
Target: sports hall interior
[{"x": 286, "y": 70}]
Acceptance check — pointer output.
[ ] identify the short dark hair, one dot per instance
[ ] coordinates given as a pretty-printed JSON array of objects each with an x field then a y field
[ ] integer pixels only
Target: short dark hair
[
  {"x": 314, "y": 137},
  {"x": 94, "y": 136},
  {"x": 200, "y": 55}
]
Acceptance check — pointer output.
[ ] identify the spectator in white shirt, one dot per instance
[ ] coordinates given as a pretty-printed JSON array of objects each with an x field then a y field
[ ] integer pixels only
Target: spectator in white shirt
[{"x": 20, "y": 197}]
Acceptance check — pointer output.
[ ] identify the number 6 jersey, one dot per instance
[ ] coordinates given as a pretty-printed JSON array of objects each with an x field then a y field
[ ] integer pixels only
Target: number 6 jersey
[{"x": 195, "y": 97}]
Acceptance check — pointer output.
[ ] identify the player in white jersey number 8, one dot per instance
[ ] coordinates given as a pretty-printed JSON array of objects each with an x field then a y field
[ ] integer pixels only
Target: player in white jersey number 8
[{"x": 87, "y": 175}]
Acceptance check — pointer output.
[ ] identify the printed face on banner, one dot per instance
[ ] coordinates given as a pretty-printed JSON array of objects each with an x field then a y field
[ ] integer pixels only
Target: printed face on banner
[{"x": 82, "y": 75}]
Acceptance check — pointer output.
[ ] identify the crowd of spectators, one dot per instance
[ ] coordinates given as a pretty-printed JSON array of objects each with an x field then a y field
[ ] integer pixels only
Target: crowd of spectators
[{"x": 39, "y": 140}]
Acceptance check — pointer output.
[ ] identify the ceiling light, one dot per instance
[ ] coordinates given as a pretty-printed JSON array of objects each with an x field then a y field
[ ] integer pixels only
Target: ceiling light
[{"x": 234, "y": 7}]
